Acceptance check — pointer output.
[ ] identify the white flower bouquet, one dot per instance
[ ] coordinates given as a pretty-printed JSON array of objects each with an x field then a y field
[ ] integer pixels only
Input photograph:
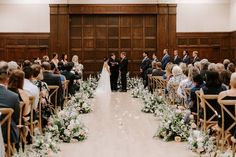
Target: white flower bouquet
[
  {"x": 201, "y": 142},
  {"x": 80, "y": 102},
  {"x": 67, "y": 126}
]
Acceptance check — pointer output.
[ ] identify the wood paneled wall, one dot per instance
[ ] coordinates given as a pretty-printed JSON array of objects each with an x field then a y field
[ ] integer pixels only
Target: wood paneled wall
[
  {"x": 233, "y": 45},
  {"x": 94, "y": 31},
  {"x": 21, "y": 46},
  {"x": 210, "y": 45}
]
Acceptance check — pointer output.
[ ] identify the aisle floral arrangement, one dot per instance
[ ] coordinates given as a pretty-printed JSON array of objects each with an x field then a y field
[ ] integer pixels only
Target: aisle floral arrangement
[
  {"x": 201, "y": 143},
  {"x": 66, "y": 126},
  {"x": 80, "y": 102},
  {"x": 151, "y": 102}
]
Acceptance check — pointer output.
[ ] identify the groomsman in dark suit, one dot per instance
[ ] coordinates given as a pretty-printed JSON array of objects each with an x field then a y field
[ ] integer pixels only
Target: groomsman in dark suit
[
  {"x": 145, "y": 64},
  {"x": 114, "y": 68},
  {"x": 123, "y": 71},
  {"x": 176, "y": 59},
  {"x": 186, "y": 58},
  {"x": 165, "y": 59},
  {"x": 195, "y": 57}
]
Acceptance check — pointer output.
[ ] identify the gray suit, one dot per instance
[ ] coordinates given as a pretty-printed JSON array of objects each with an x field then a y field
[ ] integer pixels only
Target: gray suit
[{"x": 9, "y": 99}]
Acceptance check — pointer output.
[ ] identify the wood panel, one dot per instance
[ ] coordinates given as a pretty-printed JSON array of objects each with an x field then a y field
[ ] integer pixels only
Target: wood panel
[
  {"x": 95, "y": 31},
  {"x": 233, "y": 45},
  {"x": 214, "y": 46},
  {"x": 21, "y": 46}
]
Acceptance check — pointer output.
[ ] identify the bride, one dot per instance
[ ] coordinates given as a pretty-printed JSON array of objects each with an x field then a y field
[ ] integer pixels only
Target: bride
[{"x": 104, "y": 85}]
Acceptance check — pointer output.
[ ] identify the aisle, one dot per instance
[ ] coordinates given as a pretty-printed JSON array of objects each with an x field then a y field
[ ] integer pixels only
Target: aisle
[{"x": 117, "y": 128}]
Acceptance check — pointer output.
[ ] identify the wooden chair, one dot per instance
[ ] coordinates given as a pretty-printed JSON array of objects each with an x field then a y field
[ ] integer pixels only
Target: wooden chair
[
  {"x": 6, "y": 120},
  {"x": 233, "y": 148},
  {"x": 160, "y": 85},
  {"x": 53, "y": 94},
  {"x": 187, "y": 92},
  {"x": 204, "y": 104},
  {"x": 225, "y": 132},
  {"x": 197, "y": 115},
  {"x": 66, "y": 90}
]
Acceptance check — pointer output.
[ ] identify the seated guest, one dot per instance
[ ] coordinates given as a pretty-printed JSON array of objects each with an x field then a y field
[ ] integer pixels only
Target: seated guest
[
  {"x": 197, "y": 65},
  {"x": 44, "y": 92},
  {"x": 187, "y": 83},
  {"x": 12, "y": 66},
  {"x": 53, "y": 79},
  {"x": 184, "y": 68},
  {"x": 225, "y": 78},
  {"x": 229, "y": 94},
  {"x": 178, "y": 76},
  {"x": 231, "y": 67},
  {"x": 168, "y": 73},
  {"x": 157, "y": 71},
  {"x": 61, "y": 66},
  {"x": 55, "y": 59},
  {"x": 212, "y": 67},
  {"x": 29, "y": 87},
  {"x": 71, "y": 77},
  {"x": 56, "y": 71},
  {"x": 45, "y": 58},
  {"x": 26, "y": 63},
  {"x": 9, "y": 99},
  {"x": 225, "y": 63},
  {"x": 204, "y": 68},
  {"x": 15, "y": 84},
  {"x": 198, "y": 84},
  {"x": 220, "y": 67},
  {"x": 213, "y": 86}
]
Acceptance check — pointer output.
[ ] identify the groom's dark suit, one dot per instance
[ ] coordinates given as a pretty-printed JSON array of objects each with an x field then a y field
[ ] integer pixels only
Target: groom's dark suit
[{"x": 123, "y": 71}]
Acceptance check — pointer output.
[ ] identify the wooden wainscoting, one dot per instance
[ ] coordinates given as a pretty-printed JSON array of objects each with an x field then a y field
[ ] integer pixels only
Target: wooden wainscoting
[
  {"x": 233, "y": 45},
  {"x": 21, "y": 46},
  {"x": 212, "y": 45}
]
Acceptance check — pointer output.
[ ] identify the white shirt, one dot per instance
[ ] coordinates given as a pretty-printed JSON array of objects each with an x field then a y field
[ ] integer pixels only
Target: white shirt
[{"x": 32, "y": 90}]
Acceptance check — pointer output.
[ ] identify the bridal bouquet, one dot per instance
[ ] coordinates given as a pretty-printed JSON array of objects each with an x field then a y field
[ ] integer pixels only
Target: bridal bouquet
[
  {"x": 80, "y": 102},
  {"x": 67, "y": 126},
  {"x": 174, "y": 125},
  {"x": 201, "y": 143}
]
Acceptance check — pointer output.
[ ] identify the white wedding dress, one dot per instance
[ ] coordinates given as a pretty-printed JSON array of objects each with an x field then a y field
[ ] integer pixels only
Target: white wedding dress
[{"x": 104, "y": 86}]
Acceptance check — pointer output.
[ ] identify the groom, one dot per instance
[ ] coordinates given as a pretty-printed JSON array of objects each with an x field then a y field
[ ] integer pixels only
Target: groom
[{"x": 123, "y": 71}]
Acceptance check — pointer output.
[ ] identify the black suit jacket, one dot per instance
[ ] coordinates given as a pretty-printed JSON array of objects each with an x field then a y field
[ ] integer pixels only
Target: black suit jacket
[
  {"x": 52, "y": 79},
  {"x": 145, "y": 64},
  {"x": 124, "y": 66},
  {"x": 9, "y": 99},
  {"x": 71, "y": 77},
  {"x": 114, "y": 65},
  {"x": 196, "y": 59},
  {"x": 158, "y": 72},
  {"x": 176, "y": 60},
  {"x": 186, "y": 59}
]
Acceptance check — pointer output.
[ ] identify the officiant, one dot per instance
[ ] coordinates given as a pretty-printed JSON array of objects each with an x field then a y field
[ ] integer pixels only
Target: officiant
[{"x": 114, "y": 68}]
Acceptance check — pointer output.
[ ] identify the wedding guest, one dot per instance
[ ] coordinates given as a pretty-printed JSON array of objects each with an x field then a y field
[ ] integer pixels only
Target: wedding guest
[
  {"x": 145, "y": 64},
  {"x": 44, "y": 92},
  {"x": 197, "y": 65},
  {"x": 29, "y": 87},
  {"x": 168, "y": 73},
  {"x": 187, "y": 83},
  {"x": 225, "y": 78},
  {"x": 198, "y": 84},
  {"x": 37, "y": 61},
  {"x": 186, "y": 58},
  {"x": 231, "y": 67},
  {"x": 12, "y": 65},
  {"x": 176, "y": 59},
  {"x": 53, "y": 79},
  {"x": 64, "y": 59},
  {"x": 45, "y": 59},
  {"x": 9, "y": 99},
  {"x": 166, "y": 58},
  {"x": 225, "y": 63},
  {"x": 15, "y": 84},
  {"x": 56, "y": 71},
  {"x": 229, "y": 94},
  {"x": 157, "y": 71},
  {"x": 213, "y": 86},
  {"x": 220, "y": 67},
  {"x": 195, "y": 57},
  {"x": 55, "y": 59},
  {"x": 178, "y": 76},
  {"x": 204, "y": 68},
  {"x": 71, "y": 77},
  {"x": 184, "y": 68},
  {"x": 114, "y": 68},
  {"x": 212, "y": 67},
  {"x": 78, "y": 67},
  {"x": 26, "y": 63},
  {"x": 61, "y": 66},
  {"x": 154, "y": 57}
]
